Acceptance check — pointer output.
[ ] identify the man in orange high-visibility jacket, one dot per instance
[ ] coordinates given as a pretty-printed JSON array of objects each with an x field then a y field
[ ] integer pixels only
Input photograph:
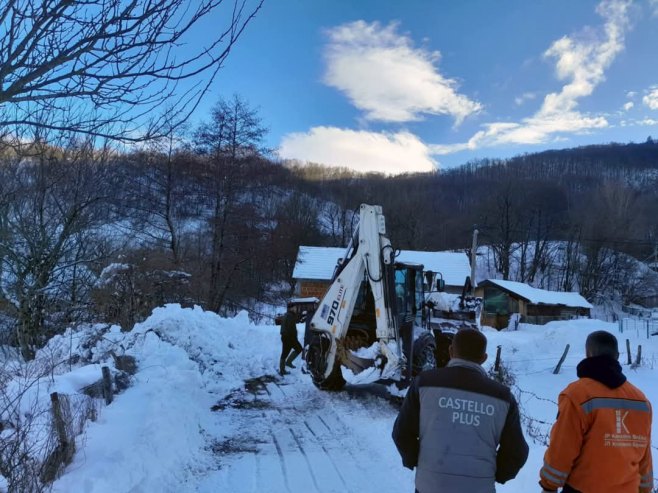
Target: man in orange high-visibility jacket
[{"x": 601, "y": 441}]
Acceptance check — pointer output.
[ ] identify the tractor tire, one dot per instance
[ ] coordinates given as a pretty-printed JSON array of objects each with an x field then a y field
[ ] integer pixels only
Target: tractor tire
[
  {"x": 424, "y": 354},
  {"x": 334, "y": 381}
]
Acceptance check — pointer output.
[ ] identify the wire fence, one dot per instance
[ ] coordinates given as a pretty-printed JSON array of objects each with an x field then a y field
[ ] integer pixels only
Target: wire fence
[{"x": 639, "y": 326}]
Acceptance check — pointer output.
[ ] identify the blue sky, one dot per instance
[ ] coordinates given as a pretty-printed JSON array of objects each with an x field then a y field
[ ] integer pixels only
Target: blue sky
[{"x": 407, "y": 86}]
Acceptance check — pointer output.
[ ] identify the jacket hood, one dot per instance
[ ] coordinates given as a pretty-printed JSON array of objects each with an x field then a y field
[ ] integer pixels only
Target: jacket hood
[{"x": 603, "y": 369}]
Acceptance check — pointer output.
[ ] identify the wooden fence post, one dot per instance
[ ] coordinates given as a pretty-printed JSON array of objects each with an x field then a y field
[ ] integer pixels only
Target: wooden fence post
[
  {"x": 63, "y": 453},
  {"x": 107, "y": 385},
  {"x": 58, "y": 418},
  {"x": 497, "y": 363},
  {"x": 628, "y": 351},
  {"x": 639, "y": 355},
  {"x": 564, "y": 356}
]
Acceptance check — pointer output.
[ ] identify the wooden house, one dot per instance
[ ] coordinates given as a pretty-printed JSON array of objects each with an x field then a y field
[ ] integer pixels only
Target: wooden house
[
  {"x": 502, "y": 299},
  {"x": 315, "y": 267}
]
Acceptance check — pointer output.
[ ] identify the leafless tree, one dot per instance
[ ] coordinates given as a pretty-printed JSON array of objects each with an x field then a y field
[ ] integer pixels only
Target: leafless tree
[
  {"x": 296, "y": 225},
  {"x": 501, "y": 225},
  {"x": 339, "y": 223},
  {"x": 229, "y": 141},
  {"x": 102, "y": 67},
  {"x": 155, "y": 192},
  {"x": 540, "y": 208},
  {"x": 49, "y": 219}
]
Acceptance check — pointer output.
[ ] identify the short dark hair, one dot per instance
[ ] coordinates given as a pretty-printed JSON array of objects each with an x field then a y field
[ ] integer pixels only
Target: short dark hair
[
  {"x": 469, "y": 344},
  {"x": 602, "y": 343}
]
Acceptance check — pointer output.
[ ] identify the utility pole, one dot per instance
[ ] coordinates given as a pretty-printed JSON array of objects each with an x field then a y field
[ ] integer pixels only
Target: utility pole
[{"x": 474, "y": 248}]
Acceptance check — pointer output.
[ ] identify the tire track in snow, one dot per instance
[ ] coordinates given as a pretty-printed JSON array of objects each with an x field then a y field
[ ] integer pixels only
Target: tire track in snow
[
  {"x": 342, "y": 449},
  {"x": 340, "y": 431},
  {"x": 331, "y": 459},
  {"x": 317, "y": 441},
  {"x": 298, "y": 433},
  {"x": 313, "y": 440},
  {"x": 335, "y": 419},
  {"x": 282, "y": 461},
  {"x": 308, "y": 462}
]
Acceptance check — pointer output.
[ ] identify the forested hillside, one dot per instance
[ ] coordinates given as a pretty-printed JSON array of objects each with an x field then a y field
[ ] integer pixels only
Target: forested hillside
[
  {"x": 605, "y": 193},
  {"x": 582, "y": 215},
  {"x": 210, "y": 218}
]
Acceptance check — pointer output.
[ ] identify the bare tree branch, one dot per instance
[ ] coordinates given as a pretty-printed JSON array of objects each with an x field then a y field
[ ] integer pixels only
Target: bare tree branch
[{"x": 105, "y": 66}]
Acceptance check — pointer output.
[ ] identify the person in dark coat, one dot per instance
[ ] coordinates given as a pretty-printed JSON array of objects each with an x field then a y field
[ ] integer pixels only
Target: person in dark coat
[
  {"x": 289, "y": 342},
  {"x": 457, "y": 427}
]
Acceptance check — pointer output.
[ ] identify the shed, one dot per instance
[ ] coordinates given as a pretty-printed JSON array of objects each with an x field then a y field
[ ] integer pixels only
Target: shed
[
  {"x": 535, "y": 306},
  {"x": 315, "y": 267}
]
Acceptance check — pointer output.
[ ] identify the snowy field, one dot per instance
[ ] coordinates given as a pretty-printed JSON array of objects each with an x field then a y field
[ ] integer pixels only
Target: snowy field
[{"x": 207, "y": 412}]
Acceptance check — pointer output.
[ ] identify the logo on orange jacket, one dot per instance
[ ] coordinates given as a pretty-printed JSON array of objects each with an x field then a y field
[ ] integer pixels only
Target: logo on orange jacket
[
  {"x": 622, "y": 437},
  {"x": 620, "y": 421}
]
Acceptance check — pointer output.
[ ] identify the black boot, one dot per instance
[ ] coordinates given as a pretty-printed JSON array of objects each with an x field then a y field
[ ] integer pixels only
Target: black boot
[
  {"x": 282, "y": 367},
  {"x": 292, "y": 358}
]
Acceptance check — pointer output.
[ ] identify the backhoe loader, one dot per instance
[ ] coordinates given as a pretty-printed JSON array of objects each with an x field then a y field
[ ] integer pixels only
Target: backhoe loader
[{"x": 372, "y": 325}]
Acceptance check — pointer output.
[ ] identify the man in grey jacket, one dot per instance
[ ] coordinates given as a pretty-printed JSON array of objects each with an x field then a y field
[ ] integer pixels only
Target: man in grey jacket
[{"x": 459, "y": 428}]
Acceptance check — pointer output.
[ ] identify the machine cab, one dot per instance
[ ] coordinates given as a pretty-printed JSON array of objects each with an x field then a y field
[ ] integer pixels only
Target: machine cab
[{"x": 409, "y": 293}]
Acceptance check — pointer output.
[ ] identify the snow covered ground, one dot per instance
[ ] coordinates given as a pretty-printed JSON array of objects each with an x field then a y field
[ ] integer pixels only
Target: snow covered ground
[{"x": 206, "y": 411}]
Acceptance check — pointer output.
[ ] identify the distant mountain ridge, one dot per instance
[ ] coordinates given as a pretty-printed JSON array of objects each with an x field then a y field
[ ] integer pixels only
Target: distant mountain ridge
[{"x": 632, "y": 163}]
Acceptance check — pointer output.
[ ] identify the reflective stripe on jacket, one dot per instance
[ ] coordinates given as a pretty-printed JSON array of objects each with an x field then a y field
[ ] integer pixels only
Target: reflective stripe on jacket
[
  {"x": 601, "y": 441},
  {"x": 460, "y": 429}
]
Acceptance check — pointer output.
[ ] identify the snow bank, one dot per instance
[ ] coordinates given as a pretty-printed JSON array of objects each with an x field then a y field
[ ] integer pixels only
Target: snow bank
[
  {"x": 151, "y": 438},
  {"x": 227, "y": 351},
  {"x": 146, "y": 438}
]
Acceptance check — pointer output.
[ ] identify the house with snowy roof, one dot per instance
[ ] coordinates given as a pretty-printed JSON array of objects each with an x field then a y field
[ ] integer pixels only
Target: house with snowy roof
[
  {"x": 502, "y": 299},
  {"x": 315, "y": 267}
]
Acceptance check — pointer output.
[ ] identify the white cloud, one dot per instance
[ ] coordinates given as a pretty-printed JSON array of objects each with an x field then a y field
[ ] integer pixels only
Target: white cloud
[
  {"x": 629, "y": 105},
  {"x": 526, "y": 96},
  {"x": 631, "y": 94},
  {"x": 580, "y": 62},
  {"x": 534, "y": 130},
  {"x": 645, "y": 122},
  {"x": 651, "y": 99},
  {"x": 384, "y": 75},
  {"x": 401, "y": 152},
  {"x": 583, "y": 62}
]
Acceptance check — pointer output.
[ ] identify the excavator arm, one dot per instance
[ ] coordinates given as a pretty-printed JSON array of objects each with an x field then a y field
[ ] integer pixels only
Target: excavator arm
[{"x": 369, "y": 259}]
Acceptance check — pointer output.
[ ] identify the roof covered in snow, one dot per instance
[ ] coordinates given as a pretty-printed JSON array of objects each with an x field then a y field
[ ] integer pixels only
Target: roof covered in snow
[
  {"x": 538, "y": 296},
  {"x": 318, "y": 263}
]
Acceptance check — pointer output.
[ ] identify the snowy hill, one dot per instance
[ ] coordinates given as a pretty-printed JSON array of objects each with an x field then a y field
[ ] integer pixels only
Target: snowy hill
[{"x": 206, "y": 412}]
